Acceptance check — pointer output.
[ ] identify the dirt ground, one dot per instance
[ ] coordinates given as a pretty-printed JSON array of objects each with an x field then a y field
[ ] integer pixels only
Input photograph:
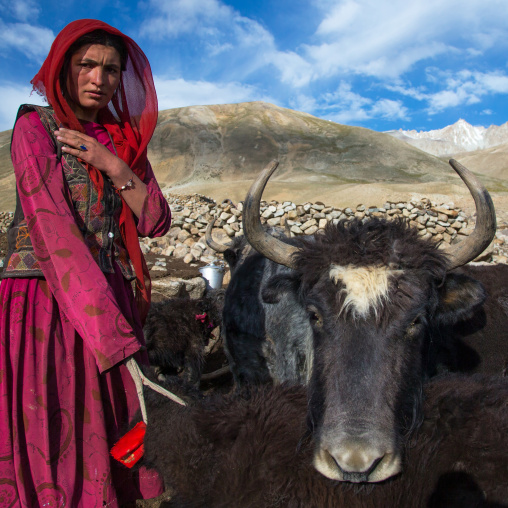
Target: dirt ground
[{"x": 174, "y": 267}]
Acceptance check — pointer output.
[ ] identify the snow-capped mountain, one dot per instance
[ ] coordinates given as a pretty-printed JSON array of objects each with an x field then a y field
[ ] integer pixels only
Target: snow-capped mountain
[{"x": 456, "y": 138}]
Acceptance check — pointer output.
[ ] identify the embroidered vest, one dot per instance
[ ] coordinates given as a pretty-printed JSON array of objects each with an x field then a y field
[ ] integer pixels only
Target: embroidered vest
[{"x": 96, "y": 219}]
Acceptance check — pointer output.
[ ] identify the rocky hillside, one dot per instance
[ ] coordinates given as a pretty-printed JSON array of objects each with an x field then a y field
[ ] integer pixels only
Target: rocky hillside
[
  {"x": 218, "y": 150},
  {"x": 7, "y": 183},
  {"x": 234, "y": 141},
  {"x": 491, "y": 162}
]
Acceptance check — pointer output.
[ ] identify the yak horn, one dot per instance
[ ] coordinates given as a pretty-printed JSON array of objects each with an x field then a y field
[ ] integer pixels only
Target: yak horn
[
  {"x": 263, "y": 242},
  {"x": 217, "y": 247},
  {"x": 485, "y": 228},
  {"x": 460, "y": 254},
  {"x": 210, "y": 376}
]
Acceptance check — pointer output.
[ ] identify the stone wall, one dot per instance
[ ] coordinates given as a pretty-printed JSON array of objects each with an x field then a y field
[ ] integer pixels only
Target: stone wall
[
  {"x": 192, "y": 214},
  {"x": 5, "y": 220}
]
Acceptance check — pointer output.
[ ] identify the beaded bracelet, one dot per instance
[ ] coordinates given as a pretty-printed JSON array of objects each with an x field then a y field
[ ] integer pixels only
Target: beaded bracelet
[{"x": 128, "y": 185}]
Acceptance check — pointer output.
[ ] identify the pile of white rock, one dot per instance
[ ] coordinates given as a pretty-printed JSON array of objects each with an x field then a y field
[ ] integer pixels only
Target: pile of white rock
[
  {"x": 5, "y": 220},
  {"x": 192, "y": 214}
]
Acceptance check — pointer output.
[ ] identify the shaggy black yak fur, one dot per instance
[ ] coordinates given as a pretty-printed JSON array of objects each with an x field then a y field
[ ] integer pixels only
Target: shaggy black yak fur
[
  {"x": 176, "y": 333},
  {"x": 254, "y": 451},
  {"x": 480, "y": 343}
]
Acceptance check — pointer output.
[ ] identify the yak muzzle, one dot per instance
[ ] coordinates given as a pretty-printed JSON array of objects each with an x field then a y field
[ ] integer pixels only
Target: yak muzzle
[{"x": 357, "y": 461}]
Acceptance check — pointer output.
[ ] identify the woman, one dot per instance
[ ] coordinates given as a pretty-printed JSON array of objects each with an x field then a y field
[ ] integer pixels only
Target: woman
[{"x": 69, "y": 318}]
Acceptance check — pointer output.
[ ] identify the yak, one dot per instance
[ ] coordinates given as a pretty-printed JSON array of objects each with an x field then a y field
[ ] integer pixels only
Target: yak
[
  {"x": 476, "y": 343},
  {"x": 177, "y": 331},
  {"x": 252, "y": 449},
  {"x": 480, "y": 343},
  {"x": 351, "y": 312}
]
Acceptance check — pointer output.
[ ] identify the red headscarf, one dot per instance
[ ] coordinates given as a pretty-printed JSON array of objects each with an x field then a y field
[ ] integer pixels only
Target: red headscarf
[{"x": 130, "y": 118}]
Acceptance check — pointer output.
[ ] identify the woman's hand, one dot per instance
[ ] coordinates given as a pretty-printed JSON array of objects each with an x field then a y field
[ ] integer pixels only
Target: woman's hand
[{"x": 91, "y": 151}]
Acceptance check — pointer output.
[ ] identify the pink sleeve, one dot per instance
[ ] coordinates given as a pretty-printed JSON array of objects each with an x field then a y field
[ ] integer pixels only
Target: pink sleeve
[
  {"x": 75, "y": 279},
  {"x": 155, "y": 218}
]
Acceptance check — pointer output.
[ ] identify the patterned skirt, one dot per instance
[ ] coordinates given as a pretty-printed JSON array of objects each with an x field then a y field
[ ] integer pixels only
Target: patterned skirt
[{"x": 58, "y": 416}]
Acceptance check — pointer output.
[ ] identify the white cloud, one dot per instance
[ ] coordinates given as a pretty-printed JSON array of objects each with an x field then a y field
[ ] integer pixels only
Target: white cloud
[
  {"x": 385, "y": 39},
  {"x": 389, "y": 110},
  {"x": 22, "y": 10},
  {"x": 346, "y": 106},
  {"x": 455, "y": 89},
  {"x": 344, "y": 96},
  {"x": 355, "y": 112},
  {"x": 294, "y": 70},
  {"x": 466, "y": 87},
  {"x": 339, "y": 17},
  {"x": 492, "y": 82},
  {"x": 419, "y": 93},
  {"x": 176, "y": 93},
  {"x": 32, "y": 41},
  {"x": 243, "y": 44},
  {"x": 13, "y": 96},
  {"x": 303, "y": 102},
  {"x": 445, "y": 99},
  {"x": 171, "y": 18}
]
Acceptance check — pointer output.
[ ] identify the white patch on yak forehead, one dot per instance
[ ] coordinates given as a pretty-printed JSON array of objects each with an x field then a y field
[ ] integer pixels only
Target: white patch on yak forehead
[{"x": 365, "y": 287}]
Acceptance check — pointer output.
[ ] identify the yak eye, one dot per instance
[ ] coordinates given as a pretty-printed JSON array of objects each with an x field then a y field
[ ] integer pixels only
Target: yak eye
[
  {"x": 414, "y": 324},
  {"x": 416, "y": 321},
  {"x": 314, "y": 316}
]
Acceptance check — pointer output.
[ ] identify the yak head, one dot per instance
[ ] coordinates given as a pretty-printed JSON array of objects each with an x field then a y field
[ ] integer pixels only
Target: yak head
[{"x": 373, "y": 291}]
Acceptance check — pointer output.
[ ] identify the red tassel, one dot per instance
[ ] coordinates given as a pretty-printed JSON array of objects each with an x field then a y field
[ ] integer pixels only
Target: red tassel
[
  {"x": 129, "y": 448},
  {"x": 201, "y": 317}
]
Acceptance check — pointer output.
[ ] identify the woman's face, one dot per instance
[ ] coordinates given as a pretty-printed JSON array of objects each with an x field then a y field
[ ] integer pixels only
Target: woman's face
[{"x": 94, "y": 75}]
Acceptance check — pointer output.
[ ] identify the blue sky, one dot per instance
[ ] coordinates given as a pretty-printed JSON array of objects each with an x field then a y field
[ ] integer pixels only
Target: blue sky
[{"x": 379, "y": 64}]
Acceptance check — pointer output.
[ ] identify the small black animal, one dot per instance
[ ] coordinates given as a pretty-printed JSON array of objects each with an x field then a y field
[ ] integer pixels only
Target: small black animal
[
  {"x": 177, "y": 331},
  {"x": 480, "y": 343}
]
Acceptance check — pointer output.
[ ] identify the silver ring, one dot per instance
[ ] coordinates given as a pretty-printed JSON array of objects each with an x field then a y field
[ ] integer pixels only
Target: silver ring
[{"x": 83, "y": 148}]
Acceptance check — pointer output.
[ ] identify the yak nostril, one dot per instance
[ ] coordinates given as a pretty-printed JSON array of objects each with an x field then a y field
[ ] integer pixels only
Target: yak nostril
[
  {"x": 355, "y": 477},
  {"x": 357, "y": 462},
  {"x": 359, "y": 476}
]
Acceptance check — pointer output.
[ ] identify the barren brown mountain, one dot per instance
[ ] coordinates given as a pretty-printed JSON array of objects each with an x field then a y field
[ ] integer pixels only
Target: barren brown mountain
[
  {"x": 491, "y": 162},
  {"x": 218, "y": 150}
]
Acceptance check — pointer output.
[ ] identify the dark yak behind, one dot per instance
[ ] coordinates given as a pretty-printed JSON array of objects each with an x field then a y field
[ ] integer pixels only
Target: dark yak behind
[
  {"x": 177, "y": 331},
  {"x": 480, "y": 342}
]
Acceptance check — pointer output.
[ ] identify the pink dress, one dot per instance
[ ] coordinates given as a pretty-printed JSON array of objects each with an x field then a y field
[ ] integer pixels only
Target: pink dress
[{"x": 65, "y": 395}]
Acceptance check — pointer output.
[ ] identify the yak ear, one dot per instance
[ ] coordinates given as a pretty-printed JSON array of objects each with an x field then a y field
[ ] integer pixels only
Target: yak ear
[
  {"x": 459, "y": 297},
  {"x": 231, "y": 257},
  {"x": 277, "y": 285}
]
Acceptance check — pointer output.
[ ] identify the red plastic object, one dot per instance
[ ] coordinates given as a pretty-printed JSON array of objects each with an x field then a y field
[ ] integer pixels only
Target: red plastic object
[
  {"x": 201, "y": 317},
  {"x": 129, "y": 448}
]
